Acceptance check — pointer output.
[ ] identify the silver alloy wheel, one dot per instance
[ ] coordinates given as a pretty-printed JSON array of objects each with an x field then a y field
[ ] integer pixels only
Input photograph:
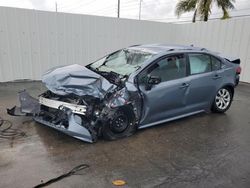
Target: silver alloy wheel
[{"x": 222, "y": 99}]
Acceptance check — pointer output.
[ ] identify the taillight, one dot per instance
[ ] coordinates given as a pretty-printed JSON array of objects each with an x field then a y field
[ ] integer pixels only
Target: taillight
[{"x": 238, "y": 70}]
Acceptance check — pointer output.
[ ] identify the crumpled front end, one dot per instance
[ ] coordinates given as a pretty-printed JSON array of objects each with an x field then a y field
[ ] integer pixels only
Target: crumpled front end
[
  {"x": 78, "y": 80},
  {"x": 66, "y": 117},
  {"x": 80, "y": 102}
]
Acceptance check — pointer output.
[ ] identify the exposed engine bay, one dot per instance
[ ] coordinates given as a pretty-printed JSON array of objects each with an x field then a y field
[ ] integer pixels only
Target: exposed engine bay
[
  {"x": 87, "y": 102},
  {"x": 81, "y": 103}
]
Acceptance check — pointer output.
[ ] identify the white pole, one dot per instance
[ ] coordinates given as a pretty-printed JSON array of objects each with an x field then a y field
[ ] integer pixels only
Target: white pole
[
  {"x": 56, "y": 5},
  {"x": 118, "y": 9},
  {"x": 140, "y": 10}
]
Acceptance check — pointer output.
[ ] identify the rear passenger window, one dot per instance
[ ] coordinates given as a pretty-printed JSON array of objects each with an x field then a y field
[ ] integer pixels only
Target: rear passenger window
[
  {"x": 216, "y": 64},
  {"x": 199, "y": 63}
]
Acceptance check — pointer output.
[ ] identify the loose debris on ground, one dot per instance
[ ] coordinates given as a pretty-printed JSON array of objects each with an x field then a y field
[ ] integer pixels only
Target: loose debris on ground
[
  {"x": 70, "y": 173},
  {"x": 7, "y": 132}
]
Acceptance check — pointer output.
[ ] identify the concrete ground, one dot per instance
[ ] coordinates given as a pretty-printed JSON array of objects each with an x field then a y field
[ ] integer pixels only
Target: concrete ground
[{"x": 206, "y": 150}]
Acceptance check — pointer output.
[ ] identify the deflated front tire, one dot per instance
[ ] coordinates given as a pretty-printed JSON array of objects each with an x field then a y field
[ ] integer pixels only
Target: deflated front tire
[{"x": 120, "y": 123}]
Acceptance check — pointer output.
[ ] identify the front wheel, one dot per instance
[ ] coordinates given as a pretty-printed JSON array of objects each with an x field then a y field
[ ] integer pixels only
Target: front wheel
[
  {"x": 223, "y": 100},
  {"x": 121, "y": 124}
]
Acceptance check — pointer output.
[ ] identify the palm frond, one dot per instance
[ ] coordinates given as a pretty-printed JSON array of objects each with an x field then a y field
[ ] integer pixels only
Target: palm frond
[
  {"x": 225, "y": 5},
  {"x": 204, "y": 9},
  {"x": 185, "y": 6}
]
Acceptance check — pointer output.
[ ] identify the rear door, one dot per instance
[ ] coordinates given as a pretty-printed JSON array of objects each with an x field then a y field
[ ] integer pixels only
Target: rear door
[{"x": 205, "y": 76}]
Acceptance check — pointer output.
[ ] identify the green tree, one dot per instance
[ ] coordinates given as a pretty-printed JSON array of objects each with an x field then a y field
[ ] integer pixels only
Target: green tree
[{"x": 202, "y": 8}]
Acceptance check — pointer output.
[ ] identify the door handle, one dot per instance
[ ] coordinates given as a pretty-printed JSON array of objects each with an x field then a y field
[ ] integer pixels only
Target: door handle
[
  {"x": 184, "y": 85},
  {"x": 216, "y": 77}
]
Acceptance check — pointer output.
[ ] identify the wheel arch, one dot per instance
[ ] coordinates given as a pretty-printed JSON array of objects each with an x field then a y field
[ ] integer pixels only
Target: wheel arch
[{"x": 230, "y": 87}]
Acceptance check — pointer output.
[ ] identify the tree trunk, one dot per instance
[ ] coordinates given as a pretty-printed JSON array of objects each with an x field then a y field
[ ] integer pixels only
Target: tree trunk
[
  {"x": 225, "y": 14},
  {"x": 205, "y": 10},
  {"x": 206, "y": 17},
  {"x": 194, "y": 16}
]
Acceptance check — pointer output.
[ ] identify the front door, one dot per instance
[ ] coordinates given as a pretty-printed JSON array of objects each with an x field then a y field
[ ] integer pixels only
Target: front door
[{"x": 164, "y": 87}]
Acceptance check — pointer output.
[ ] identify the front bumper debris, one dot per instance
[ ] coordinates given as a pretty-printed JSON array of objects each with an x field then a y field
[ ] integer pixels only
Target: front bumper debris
[
  {"x": 29, "y": 105},
  {"x": 68, "y": 120}
]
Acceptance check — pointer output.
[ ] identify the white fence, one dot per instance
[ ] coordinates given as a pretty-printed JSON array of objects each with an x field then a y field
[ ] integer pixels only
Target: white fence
[
  {"x": 230, "y": 37},
  {"x": 33, "y": 41}
]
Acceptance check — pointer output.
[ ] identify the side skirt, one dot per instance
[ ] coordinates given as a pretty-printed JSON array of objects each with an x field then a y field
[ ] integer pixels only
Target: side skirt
[{"x": 169, "y": 119}]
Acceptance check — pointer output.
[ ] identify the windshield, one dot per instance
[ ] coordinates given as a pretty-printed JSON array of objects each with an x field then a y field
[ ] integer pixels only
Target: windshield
[{"x": 122, "y": 62}]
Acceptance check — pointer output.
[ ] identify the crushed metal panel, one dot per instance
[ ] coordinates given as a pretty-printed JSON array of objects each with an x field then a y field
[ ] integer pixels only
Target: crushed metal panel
[
  {"x": 78, "y": 80},
  {"x": 78, "y": 109},
  {"x": 29, "y": 105},
  {"x": 76, "y": 128}
]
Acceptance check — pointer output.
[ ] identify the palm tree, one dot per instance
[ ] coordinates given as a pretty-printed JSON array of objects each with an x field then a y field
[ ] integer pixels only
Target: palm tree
[{"x": 202, "y": 8}]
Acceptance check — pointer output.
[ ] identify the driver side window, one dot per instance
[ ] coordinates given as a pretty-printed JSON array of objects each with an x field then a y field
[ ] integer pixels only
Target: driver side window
[{"x": 169, "y": 68}]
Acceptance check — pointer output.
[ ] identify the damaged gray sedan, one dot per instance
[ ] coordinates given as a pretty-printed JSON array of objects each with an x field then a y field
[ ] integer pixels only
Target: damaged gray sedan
[{"x": 133, "y": 88}]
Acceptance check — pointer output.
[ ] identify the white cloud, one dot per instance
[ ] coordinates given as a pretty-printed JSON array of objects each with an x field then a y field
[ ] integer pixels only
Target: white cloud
[
  {"x": 16, "y": 3},
  {"x": 161, "y": 10}
]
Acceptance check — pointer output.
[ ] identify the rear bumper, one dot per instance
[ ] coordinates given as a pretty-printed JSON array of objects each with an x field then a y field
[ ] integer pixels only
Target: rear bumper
[{"x": 66, "y": 117}]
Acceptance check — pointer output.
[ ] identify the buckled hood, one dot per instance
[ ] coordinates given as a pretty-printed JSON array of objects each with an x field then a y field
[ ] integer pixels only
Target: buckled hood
[{"x": 76, "y": 79}]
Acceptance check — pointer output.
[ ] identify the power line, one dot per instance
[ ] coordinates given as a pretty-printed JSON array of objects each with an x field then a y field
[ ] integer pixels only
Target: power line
[
  {"x": 113, "y": 7},
  {"x": 216, "y": 13},
  {"x": 130, "y": 2},
  {"x": 134, "y": 5},
  {"x": 218, "y": 18},
  {"x": 137, "y": 5},
  {"x": 83, "y": 5},
  {"x": 145, "y": 3},
  {"x": 70, "y": 5}
]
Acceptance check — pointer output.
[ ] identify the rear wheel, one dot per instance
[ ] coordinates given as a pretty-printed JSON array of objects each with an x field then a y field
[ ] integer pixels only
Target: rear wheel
[
  {"x": 223, "y": 100},
  {"x": 121, "y": 124}
]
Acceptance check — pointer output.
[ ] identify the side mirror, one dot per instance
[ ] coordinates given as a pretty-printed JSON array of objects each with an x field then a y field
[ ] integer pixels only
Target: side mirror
[{"x": 152, "y": 80}]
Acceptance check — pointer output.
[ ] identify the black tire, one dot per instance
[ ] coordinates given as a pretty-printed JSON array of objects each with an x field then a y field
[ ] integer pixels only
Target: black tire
[
  {"x": 222, "y": 100},
  {"x": 120, "y": 125}
]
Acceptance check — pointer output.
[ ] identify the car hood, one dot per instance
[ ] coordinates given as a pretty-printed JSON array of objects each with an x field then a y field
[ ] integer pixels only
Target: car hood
[{"x": 76, "y": 79}]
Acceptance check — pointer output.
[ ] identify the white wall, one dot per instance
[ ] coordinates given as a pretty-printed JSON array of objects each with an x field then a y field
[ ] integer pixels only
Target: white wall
[
  {"x": 230, "y": 37},
  {"x": 33, "y": 41}
]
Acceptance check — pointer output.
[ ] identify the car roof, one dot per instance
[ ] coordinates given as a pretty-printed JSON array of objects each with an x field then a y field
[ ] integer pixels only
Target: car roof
[{"x": 159, "y": 48}]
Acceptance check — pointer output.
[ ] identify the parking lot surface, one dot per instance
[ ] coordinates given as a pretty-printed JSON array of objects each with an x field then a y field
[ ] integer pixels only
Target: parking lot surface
[{"x": 206, "y": 150}]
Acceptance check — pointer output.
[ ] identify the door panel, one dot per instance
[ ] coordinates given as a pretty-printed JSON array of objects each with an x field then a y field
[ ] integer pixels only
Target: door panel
[
  {"x": 202, "y": 89},
  {"x": 164, "y": 100},
  {"x": 167, "y": 98},
  {"x": 205, "y": 78}
]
